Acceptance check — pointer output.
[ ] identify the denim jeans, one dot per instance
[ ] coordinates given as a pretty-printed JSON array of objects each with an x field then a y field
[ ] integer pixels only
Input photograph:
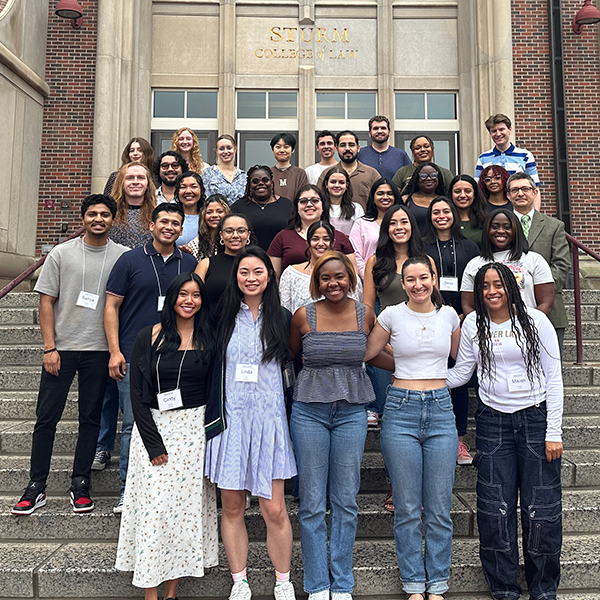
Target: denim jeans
[
  {"x": 117, "y": 391},
  {"x": 329, "y": 441},
  {"x": 511, "y": 457},
  {"x": 419, "y": 445}
]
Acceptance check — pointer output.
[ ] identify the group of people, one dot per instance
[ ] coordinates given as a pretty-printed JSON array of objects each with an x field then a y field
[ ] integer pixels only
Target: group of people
[{"x": 248, "y": 338}]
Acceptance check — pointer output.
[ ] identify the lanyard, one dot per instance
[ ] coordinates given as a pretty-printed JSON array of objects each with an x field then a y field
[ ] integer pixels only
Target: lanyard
[
  {"x": 180, "y": 364},
  {"x": 156, "y": 273},
  {"x": 83, "y": 267},
  {"x": 440, "y": 254}
]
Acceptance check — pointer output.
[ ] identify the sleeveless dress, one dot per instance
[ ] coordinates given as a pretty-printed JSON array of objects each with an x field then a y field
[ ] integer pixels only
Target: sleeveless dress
[
  {"x": 333, "y": 368},
  {"x": 255, "y": 447}
]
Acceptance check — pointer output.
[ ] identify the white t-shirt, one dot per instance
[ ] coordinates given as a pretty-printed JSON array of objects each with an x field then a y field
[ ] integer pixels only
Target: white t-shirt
[
  {"x": 344, "y": 225},
  {"x": 511, "y": 369},
  {"x": 420, "y": 341},
  {"x": 530, "y": 270},
  {"x": 314, "y": 172}
]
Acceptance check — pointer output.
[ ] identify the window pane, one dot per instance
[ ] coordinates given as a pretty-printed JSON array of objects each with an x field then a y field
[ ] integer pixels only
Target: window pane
[
  {"x": 410, "y": 106},
  {"x": 441, "y": 106},
  {"x": 168, "y": 104},
  {"x": 330, "y": 106},
  {"x": 441, "y": 153},
  {"x": 252, "y": 105},
  {"x": 165, "y": 144},
  {"x": 202, "y": 105},
  {"x": 258, "y": 152},
  {"x": 203, "y": 147},
  {"x": 283, "y": 105},
  {"x": 361, "y": 105}
]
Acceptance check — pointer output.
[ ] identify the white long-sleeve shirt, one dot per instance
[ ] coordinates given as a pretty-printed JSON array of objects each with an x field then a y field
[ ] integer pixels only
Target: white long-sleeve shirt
[{"x": 496, "y": 392}]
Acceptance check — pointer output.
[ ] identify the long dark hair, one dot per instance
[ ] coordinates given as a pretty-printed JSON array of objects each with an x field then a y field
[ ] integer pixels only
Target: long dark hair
[
  {"x": 168, "y": 339},
  {"x": 385, "y": 254},
  {"x": 253, "y": 240},
  {"x": 431, "y": 233},
  {"x": 527, "y": 337},
  {"x": 519, "y": 241},
  {"x": 295, "y": 222},
  {"x": 371, "y": 211},
  {"x": 347, "y": 208},
  {"x": 274, "y": 331},
  {"x": 413, "y": 184},
  {"x": 436, "y": 296},
  {"x": 477, "y": 212},
  {"x": 327, "y": 226},
  {"x": 198, "y": 179}
]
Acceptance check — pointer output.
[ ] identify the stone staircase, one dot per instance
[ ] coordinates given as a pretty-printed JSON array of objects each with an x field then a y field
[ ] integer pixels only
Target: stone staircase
[{"x": 55, "y": 553}]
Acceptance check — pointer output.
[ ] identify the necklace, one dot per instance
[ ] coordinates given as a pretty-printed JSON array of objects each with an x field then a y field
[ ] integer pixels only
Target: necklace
[
  {"x": 422, "y": 323},
  {"x": 261, "y": 205}
]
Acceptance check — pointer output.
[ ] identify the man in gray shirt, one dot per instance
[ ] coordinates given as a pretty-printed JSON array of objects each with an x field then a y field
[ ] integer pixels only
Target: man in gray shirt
[{"x": 72, "y": 288}]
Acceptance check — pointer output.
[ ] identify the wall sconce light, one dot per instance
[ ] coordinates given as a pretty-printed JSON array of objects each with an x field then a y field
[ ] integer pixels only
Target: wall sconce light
[
  {"x": 70, "y": 9},
  {"x": 587, "y": 15}
]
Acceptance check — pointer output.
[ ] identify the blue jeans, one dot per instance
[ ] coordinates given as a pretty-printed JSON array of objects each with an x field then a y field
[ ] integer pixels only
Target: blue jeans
[
  {"x": 511, "y": 457},
  {"x": 329, "y": 441},
  {"x": 117, "y": 391},
  {"x": 419, "y": 445}
]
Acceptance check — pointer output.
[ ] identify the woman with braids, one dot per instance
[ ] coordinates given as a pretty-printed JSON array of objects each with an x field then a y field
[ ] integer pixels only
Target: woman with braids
[
  {"x": 267, "y": 212},
  {"x": 254, "y": 451},
  {"x": 418, "y": 435},
  {"x": 425, "y": 185},
  {"x": 519, "y": 444}
]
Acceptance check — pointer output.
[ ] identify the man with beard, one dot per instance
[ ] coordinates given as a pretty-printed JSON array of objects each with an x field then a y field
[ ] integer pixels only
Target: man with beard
[
  {"x": 169, "y": 166},
  {"x": 380, "y": 155},
  {"x": 326, "y": 149},
  {"x": 362, "y": 177}
]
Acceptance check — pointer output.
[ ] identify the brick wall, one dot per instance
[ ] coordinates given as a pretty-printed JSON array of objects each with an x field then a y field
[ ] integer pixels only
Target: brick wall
[
  {"x": 533, "y": 107},
  {"x": 68, "y": 127},
  {"x": 3, "y": 3}
]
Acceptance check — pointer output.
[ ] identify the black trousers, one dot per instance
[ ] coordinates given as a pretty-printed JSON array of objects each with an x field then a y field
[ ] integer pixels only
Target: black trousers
[{"x": 93, "y": 373}]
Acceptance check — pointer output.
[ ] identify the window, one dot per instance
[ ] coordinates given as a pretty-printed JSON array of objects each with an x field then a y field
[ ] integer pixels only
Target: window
[
  {"x": 183, "y": 104},
  {"x": 426, "y": 106},
  {"x": 267, "y": 105},
  {"x": 346, "y": 105}
]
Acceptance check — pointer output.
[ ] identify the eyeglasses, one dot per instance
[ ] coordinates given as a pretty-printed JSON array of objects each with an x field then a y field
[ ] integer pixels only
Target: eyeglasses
[
  {"x": 256, "y": 180},
  {"x": 494, "y": 178},
  {"x": 526, "y": 189},
  {"x": 240, "y": 231},
  {"x": 424, "y": 176},
  {"x": 167, "y": 166},
  {"x": 307, "y": 201}
]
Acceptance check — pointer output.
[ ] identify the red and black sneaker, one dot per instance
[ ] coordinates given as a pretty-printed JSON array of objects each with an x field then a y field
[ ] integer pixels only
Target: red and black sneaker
[
  {"x": 33, "y": 498},
  {"x": 80, "y": 497}
]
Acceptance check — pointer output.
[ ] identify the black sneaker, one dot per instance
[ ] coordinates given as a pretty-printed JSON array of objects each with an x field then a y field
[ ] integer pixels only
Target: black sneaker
[
  {"x": 80, "y": 497},
  {"x": 33, "y": 498}
]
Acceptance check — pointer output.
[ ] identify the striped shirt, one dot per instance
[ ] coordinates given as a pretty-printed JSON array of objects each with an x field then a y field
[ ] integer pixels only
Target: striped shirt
[{"x": 513, "y": 160}]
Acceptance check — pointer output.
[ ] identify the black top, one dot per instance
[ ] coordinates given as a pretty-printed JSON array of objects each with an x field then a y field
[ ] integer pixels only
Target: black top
[
  {"x": 217, "y": 277},
  {"x": 267, "y": 220},
  {"x": 492, "y": 207},
  {"x": 445, "y": 265},
  {"x": 418, "y": 212}
]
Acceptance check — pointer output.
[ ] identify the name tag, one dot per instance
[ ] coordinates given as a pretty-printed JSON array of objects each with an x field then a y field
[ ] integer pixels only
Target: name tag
[
  {"x": 518, "y": 382},
  {"x": 246, "y": 373},
  {"x": 448, "y": 284},
  {"x": 169, "y": 400},
  {"x": 161, "y": 303},
  {"x": 87, "y": 300}
]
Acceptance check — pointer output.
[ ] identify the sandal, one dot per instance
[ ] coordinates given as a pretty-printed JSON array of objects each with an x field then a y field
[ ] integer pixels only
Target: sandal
[
  {"x": 389, "y": 503},
  {"x": 410, "y": 596}
]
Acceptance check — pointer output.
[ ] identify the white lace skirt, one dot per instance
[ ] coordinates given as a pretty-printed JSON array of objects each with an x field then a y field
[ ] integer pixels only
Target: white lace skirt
[{"x": 169, "y": 521}]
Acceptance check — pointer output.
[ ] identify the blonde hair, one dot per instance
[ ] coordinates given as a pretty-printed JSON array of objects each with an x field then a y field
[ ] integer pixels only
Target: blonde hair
[
  {"x": 325, "y": 258},
  {"x": 195, "y": 163},
  {"x": 118, "y": 194}
]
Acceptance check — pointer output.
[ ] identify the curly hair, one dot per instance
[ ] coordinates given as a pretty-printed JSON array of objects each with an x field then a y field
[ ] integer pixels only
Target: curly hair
[
  {"x": 207, "y": 241},
  {"x": 489, "y": 172},
  {"x": 118, "y": 193},
  {"x": 347, "y": 208},
  {"x": 251, "y": 172},
  {"x": 195, "y": 163}
]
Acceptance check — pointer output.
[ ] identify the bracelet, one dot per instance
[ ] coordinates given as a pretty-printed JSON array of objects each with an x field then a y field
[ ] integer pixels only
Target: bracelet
[{"x": 51, "y": 350}]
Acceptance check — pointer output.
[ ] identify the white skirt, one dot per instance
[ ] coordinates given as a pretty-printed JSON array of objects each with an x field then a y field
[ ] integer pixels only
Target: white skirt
[{"x": 169, "y": 521}]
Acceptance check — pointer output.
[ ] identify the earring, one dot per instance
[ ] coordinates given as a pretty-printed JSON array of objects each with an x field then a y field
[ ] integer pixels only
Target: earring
[
  {"x": 248, "y": 242},
  {"x": 221, "y": 242}
]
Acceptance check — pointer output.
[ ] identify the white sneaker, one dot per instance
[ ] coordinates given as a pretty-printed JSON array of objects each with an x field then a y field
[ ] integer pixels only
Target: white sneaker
[
  {"x": 372, "y": 418},
  {"x": 341, "y": 596},
  {"x": 322, "y": 595},
  {"x": 285, "y": 591},
  {"x": 240, "y": 591}
]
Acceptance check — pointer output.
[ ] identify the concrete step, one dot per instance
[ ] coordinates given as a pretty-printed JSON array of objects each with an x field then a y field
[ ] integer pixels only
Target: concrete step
[
  {"x": 20, "y": 405},
  {"x": 582, "y": 375},
  {"x": 589, "y": 312},
  {"x": 589, "y": 329},
  {"x": 23, "y": 300},
  {"x": 17, "y": 335},
  {"x": 19, "y": 316},
  {"x": 585, "y": 467},
  {"x": 587, "y": 297},
  {"x": 591, "y": 351},
  {"x": 21, "y": 356},
  {"x": 86, "y": 570},
  {"x": 23, "y": 378}
]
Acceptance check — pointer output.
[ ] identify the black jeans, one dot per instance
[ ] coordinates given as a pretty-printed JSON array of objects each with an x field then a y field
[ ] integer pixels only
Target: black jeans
[
  {"x": 93, "y": 372},
  {"x": 510, "y": 458}
]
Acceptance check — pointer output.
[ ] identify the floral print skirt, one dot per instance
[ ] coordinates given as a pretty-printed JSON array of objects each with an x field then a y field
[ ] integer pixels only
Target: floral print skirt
[{"x": 169, "y": 521}]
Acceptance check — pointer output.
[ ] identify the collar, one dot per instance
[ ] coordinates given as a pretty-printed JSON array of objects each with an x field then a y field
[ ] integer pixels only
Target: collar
[
  {"x": 529, "y": 214},
  {"x": 150, "y": 250},
  {"x": 509, "y": 150},
  {"x": 359, "y": 167},
  {"x": 382, "y": 151}
]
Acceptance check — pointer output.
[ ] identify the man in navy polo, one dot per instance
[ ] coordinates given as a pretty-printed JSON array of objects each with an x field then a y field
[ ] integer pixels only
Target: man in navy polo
[{"x": 135, "y": 292}]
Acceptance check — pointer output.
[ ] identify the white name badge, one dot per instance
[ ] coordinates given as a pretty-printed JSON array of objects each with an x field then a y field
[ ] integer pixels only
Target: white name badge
[
  {"x": 448, "y": 284},
  {"x": 161, "y": 303},
  {"x": 169, "y": 400},
  {"x": 246, "y": 373},
  {"x": 518, "y": 382},
  {"x": 87, "y": 300}
]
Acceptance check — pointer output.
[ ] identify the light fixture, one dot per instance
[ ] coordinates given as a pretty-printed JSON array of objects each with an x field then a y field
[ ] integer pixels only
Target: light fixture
[
  {"x": 70, "y": 9},
  {"x": 587, "y": 15}
]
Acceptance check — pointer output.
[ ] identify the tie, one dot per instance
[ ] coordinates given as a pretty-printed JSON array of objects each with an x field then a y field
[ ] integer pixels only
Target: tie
[{"x": 525, "y": 224}]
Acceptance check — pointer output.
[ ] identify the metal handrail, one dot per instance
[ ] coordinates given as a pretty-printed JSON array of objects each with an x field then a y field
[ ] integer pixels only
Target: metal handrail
[
  {"x": 576, "y": 246},
  {"x": 33, "y": 268}
]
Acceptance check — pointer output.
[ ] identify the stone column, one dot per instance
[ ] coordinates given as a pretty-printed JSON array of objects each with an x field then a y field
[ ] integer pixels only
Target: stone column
[
  {"x": 385, "y": 62},
  {"x": 307, "y": 112},
  {"x": 123, "y": 66},
  {"x": 227, "y": 67}
]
